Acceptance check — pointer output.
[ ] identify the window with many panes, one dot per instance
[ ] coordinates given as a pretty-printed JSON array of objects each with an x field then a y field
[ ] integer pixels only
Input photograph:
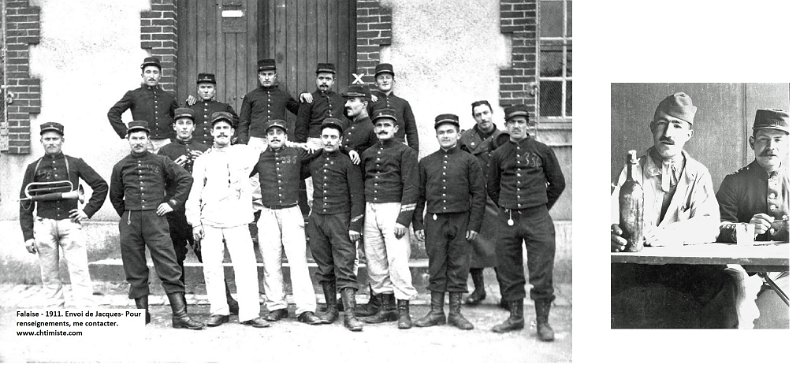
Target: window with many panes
[{"x": 554, "y": 68}]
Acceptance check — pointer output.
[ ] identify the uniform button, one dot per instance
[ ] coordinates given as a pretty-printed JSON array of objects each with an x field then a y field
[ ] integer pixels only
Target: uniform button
[
  {"x": 444, "y": 194},
  {"x": 518, "y": 174},
  {"x": 444, "y": 200},
  {"x": 772, "y": 196}
]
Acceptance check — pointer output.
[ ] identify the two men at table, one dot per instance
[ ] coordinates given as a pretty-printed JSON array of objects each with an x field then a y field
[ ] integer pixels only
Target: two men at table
[{"x": 679, "y": 208}]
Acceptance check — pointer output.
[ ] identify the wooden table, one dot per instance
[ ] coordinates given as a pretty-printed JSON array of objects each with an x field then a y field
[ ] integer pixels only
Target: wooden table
[{"x": 762, "y": 257}]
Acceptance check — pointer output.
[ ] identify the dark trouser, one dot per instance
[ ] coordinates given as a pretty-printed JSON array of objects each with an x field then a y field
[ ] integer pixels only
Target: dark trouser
[
  {"x": 302, "y": 199},
  {"x": 332, "y": 250},
  {"x": 672, "y": 296},
  {"x": 448, "y": 251},
  {"x": 535, "y": 227},
  {"x": 137, "y": 228},
  {"x": 181, "y": 234}
]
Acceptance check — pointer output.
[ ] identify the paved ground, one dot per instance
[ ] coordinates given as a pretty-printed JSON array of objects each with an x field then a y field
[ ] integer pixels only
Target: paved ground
[{"x": 290, "y": 341}]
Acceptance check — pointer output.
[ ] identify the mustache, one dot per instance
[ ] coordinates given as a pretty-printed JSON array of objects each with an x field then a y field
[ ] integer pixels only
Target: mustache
[
  {"x": 667, "y": 140},
  {"x": 767, "y": 153}
]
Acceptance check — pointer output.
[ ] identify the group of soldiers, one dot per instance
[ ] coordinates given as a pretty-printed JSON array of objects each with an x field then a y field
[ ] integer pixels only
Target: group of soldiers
[
  {"x": 200, "y": 174},
  {"x": 680, "y": 208}
]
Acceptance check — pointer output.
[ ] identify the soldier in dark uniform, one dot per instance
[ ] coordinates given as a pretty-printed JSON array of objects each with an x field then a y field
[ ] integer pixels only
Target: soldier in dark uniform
[
  {"x": 759, "y": 194},
  {"x": 326, "y": 103},
  {"x": 335, "y": 223},
  {"x": 359, "y": 135},
  {"x": 386, "y": 99},
  {"x": 525, "y": 180},
  {"x": 148, "y": 103},
  {"x": 184, "y": 151},
  {"x": 480, "y": 141},
  {"x": 453, "y": 174},
  {"x": 265, "y": 103},
  {"x": 138, "y": 193},
  {"x": 206, "y": 106},
  {"x": 391, "y": 192},
  {"x": 57, "y": 228}
]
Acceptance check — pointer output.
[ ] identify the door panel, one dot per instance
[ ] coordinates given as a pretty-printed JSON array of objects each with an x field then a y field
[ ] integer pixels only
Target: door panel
[{"x": 296, "y": 33}]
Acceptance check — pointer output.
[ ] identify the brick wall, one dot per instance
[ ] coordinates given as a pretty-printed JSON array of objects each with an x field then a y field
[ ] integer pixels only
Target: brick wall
[
  {"x": 23, "y": 28},
  {"x": 159, "y": 34},
  {"x": 373, "y": 30},
  {"x": 518, "y": 20}
]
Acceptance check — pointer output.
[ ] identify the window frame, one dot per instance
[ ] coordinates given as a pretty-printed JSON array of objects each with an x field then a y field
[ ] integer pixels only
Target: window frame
[{"x": 565, "y": 42}]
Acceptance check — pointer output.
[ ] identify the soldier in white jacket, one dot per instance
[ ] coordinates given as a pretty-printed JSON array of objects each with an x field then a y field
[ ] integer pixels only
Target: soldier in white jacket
[{"x": 220, "y": 208}]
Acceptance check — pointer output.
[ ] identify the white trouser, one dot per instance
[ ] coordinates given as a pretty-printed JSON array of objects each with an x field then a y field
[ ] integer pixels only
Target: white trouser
[
  {"x": 50, "y": 235},
  {"x": 240, "y": 247},
  {"x": 156, "y": 144},
  {"x": 387, "y": 256},
  {"x": 747, "y": 288},
  {"x": 284, "y": 229}
]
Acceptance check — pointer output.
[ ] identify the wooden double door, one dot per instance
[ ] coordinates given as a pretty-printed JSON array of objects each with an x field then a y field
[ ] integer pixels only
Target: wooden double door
[{"x": 228, "y": 37}]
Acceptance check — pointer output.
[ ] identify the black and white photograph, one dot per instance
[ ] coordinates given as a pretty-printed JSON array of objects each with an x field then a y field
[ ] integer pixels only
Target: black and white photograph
[
  {"x": 700, "y": 208},
  {"x": 332, "y": 182}
]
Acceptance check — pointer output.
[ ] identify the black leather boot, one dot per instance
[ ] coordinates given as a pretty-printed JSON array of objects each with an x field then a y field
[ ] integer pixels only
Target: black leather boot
[
  {"x": 141, "y": 303},
  {"x": 543, "y": 329},
  {"x": 455, "y": 318},
  {"x": 387, "y": 313},
  {"x": 515, "y": 321},
  {"x": 403, "y": 318},
  {"x": 479, "y": 294},
  {"x": 372, "y": 307},
  {"x": 233, "y": 305},
  {"x": 331, "y": 313},
  {"x": 349, "y": 300},
  {"x": 436, "y": 315},
  {"x": 181, "y": 319}
]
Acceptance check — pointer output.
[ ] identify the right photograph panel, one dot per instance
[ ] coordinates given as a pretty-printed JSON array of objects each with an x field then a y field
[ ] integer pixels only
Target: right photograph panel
[{"x": 700, "y": 205}]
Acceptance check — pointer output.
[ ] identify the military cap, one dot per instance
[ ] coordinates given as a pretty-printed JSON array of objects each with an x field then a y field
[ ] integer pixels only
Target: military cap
[
  {"x": 184, "y": 112},
  {"x": 138, "y": 125},
  {"x": 277, "y": 123},
  {"x": 446, "y": 119},
  {"x": 772, "y": 119},
  {"x": 357, "y": 90},
  {"x": 678, "y": 105},
  {"x": 221, "y": 116},
  {"x": 332, "y": 123},
  {"x": 51, "y": 126},
  {"x": 384, "y": 68},
  {"x": 385, "y": 113},
  {"x": 151, "y": 60},
  {"x": 326, "y": 68},
  {"x": 266, "y": 64},
  {"x": 206, "y": 78},
  {"x": 516, "y": 110}
]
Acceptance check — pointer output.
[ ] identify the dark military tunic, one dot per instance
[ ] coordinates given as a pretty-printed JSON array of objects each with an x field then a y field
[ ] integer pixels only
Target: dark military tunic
[
  {"x": 391, "y": 175},
  {"x": 202, "y": 120},
  {"x": 279, "y": 174},
  {"x": 260, "y": 106},
  {"x": 59, "y": 167},
  {"x": 310, "y": 116},
  {"x": 406, "y": 124},
  {"x": 750, "y": 191},
  {"x": 359, "y": 136},
  {"x": 151, "y": 104}
]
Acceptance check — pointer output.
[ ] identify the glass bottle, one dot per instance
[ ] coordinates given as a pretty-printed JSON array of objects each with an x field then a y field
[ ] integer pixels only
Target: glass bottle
[{"x": 631, "y": 207}]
